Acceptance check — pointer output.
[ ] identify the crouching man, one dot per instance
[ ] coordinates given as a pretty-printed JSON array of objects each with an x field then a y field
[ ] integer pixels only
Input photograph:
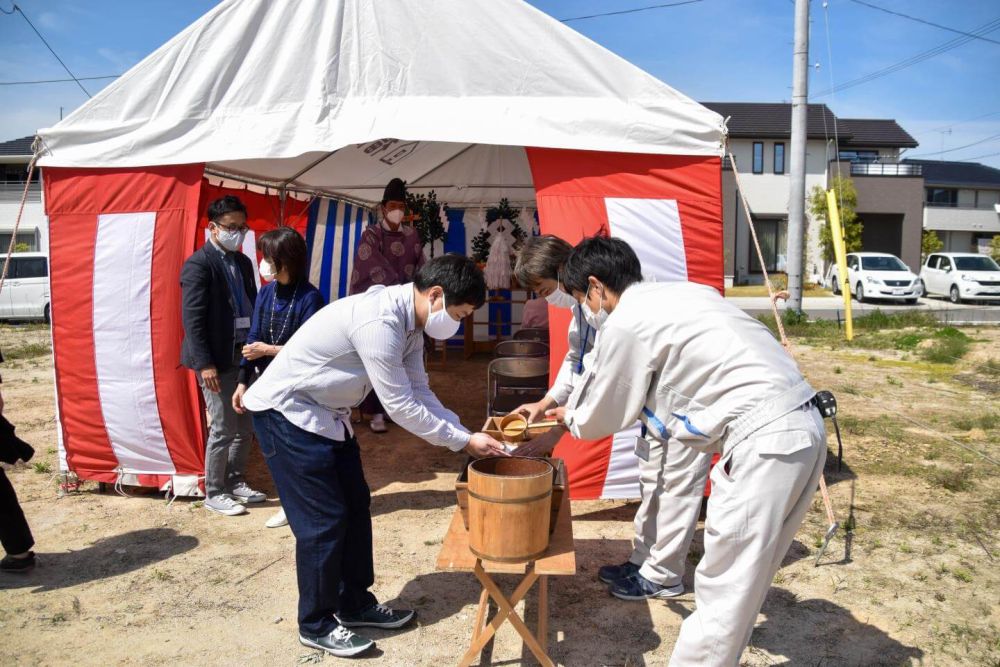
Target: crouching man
[
  {"x": 701, "y": 373},
  {"x": 301, "y": 412}
]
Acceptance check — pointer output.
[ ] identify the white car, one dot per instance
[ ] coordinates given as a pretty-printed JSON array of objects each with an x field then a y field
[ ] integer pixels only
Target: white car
[
  {"x": 25, "y": 294},
  {"x": 877, "y": 275},
  {"x": 961, "y": 276}
]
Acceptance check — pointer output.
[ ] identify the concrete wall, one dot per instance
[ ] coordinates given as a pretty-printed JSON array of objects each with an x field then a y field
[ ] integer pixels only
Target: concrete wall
[{"x": 945, "y": 218}]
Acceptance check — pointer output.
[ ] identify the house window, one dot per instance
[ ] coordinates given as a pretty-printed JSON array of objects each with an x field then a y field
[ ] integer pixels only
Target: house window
[
  {"x": 858, "y": 156},
  {"x": 941, "y": 197},
  {"x": 779, "y": 157},
  {"x": 773, "y": 244},
  {"x": 758, "y": 157},
  {"x": 25, "y": 243}
]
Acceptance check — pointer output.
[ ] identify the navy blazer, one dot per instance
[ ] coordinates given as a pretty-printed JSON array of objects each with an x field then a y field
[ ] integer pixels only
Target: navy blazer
[{"x": 206, "y": 310}]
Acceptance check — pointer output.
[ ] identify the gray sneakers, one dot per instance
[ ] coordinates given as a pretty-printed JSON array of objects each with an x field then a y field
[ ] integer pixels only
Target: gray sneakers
[
  {"x": 341, "y": 642},
  {"x": 243, "y": 493},
  {"x": 224, "y": 504}
]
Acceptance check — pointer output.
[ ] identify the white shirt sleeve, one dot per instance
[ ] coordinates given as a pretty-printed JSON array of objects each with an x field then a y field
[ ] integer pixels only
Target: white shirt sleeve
[
  {"x": 381, "y": 349},
  {"x": 413, "y": 361},
  {"x": 613, "y": 391}
]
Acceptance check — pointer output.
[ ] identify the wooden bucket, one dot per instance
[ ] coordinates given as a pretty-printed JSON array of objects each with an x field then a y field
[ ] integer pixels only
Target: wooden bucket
[{"x": 510, "y": 505}]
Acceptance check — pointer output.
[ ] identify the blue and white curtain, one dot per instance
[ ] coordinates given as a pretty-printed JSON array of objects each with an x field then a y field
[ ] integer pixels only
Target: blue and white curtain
[{"x": 332, "y": 236}]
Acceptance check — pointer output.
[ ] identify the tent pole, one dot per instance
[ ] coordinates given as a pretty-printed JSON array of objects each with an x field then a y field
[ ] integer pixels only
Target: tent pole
[
  {"x": 307, "y": 168},
  {"x": 282, "y": 195}
]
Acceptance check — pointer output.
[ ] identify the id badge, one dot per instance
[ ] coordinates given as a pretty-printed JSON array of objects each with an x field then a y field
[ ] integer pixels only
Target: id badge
[
  {"x": 642, "y": 448},
  {"x": 242, "y": 323}
]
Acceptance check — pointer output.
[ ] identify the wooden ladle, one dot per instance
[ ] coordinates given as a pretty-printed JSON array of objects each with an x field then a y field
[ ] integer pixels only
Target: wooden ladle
[{"x": 513, "y": 427}]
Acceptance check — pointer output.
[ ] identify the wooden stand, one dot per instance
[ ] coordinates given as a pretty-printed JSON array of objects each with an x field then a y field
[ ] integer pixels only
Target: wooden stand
[{"x": 558, "y": 559}]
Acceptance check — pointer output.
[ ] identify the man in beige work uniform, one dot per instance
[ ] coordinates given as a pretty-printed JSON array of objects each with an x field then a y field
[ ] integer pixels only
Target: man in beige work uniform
[{"x": 699, "y": 372}]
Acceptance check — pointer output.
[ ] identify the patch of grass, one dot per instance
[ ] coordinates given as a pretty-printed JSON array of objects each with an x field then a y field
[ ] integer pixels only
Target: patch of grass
[
  {"x": 41, "y": 467},
  {"x": 949, "y": 345},
  {"x": 909, "y": 341},
  {"x": 892, "y": 381},
  {"x": 29, "y": 351},
  {"x": 962, "y": 575},
  {"x": 952, "y": 480},
  {"x": 162, "y": 575},
  {"x": 987, "y": 422},
  {"x": 837, "y": 370},
  {"x": 991, "y": 367}
]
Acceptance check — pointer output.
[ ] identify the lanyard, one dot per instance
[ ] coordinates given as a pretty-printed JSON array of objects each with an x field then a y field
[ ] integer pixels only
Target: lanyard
[
  {"x": 582, "y": 326},
  {"x": 236, "y": 291}
]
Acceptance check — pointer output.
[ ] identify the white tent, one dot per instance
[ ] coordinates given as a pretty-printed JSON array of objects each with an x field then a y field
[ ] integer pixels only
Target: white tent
[{"x": 302, "y": 94}]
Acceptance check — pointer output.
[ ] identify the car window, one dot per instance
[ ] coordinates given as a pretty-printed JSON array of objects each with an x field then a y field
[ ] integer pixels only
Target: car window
[
  {"x": 30, "y": 267},
  {"x": 932, "y": 261},
  {"x": 945, "y": 264},
  {"x": 882, "y": 264},
  {"x": 983, "y": 263},
  {"x": 852, "y": 262}
]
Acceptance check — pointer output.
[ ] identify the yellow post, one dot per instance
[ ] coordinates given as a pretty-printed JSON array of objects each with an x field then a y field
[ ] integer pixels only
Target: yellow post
[{"x": 840, "y": 252}]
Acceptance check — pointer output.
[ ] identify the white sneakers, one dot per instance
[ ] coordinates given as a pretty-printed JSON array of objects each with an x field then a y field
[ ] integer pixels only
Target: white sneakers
[
  {"x": 278, "y": 520},
  {"x": 377, "y": 424},
  {"x": 224, "y": 504}
]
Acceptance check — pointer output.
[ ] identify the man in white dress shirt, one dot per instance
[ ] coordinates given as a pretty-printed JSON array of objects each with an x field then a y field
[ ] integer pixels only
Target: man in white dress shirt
[
  {"x": 302, "y": 406},
  {"x": 702, "y": 374}
]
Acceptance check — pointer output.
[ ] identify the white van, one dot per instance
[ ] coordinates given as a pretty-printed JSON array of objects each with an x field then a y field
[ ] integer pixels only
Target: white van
[
  {"x": 25, "y": 294},
  {"x": 961, "y": 276}
]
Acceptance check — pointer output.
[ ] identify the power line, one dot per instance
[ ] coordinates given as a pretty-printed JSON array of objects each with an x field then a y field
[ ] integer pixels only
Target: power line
[
  {"x": 963, "y": 122},
  {"x": 630, "y": 11},
  {"x": 82, "y": 78},
  {"x": 980, "y": 157},
  {"x": 913, "y": 60},
  {"x": 51, "y": 50},
  {"x": 925, "y": 22},
  {"x": 958, "y": 148}
]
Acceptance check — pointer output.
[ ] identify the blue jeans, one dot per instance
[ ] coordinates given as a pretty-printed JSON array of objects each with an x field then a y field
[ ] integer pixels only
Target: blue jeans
[{"x": 327, "y": 501}]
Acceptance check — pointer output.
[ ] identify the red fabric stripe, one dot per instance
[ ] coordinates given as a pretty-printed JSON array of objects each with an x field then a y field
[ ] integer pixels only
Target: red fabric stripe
[
  {"x": 263, "y": 211},
  {"x": 571, "y": 188},
  {"x": 71, "y": 279},
  {"x": 74, "y": 199}
]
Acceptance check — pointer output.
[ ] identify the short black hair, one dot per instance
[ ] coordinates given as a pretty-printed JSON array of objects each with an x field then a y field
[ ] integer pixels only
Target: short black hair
[
  {"x": 223, "y": 205},
  {"x": 541, "y": 258},
  {"x": 610, "y": 260},
  {"x": 286, "y": 249},
  {"x": 458, "y": 276}
]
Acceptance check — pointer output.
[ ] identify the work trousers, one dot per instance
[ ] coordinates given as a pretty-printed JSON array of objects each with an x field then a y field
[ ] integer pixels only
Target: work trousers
[
  {"x": 230, "y": 436},
  {"x": 762, "y": 488},
  {"x": 15, "y": 535},
  {"x": 328, "y": 504},
  {"x": 672, "y": 483}
]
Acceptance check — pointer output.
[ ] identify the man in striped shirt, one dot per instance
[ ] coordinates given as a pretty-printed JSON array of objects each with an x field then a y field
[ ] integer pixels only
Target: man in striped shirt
[{"x": 302, "y": 406}]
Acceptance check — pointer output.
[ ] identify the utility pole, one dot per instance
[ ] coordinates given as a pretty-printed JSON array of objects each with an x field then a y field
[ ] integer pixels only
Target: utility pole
[{"x": 797, "y": 159}]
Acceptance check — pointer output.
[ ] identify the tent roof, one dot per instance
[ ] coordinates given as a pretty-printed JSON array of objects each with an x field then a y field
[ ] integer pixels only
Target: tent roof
[{"x": 268, "y": 90}]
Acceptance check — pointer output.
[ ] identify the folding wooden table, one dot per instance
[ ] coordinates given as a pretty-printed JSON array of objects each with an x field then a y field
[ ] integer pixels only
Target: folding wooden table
[{"x": 558, "y": 559}]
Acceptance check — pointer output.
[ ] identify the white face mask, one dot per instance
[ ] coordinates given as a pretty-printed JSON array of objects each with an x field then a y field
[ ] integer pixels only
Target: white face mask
[
  {"x": 394, "y": 216},
  {"x": 267, "y": 271},
  {"x": 440, "y": 325},
  {"x": 595, "y": 320},
  {"x": 230, "y": 240},
  {"x": 560, "y": 299}
]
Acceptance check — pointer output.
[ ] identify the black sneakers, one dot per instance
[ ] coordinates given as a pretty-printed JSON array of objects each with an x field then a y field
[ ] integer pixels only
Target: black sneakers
[
  {"x": 637, "y": 587},
  {"x": 18, "y": 565},
  {"x": 377, "y": 616},
  {"x": 609, "y": 574},
  {"x": 341, "y": 642}
]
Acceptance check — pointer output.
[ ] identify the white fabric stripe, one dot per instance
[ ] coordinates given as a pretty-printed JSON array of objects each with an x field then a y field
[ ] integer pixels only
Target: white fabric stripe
[
  {"x": 123, "y": 347},
  {"x": 319, "y": 236},
  {"x": 338, "y": 242},
  {"x": 249, "y": 249},
  {"x": 622, "y": 480},
  {"x": 653, "y": 228}
]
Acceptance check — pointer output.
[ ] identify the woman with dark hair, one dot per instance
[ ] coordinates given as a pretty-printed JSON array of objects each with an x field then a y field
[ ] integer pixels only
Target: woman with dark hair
[{"x": 283, "y": 305}]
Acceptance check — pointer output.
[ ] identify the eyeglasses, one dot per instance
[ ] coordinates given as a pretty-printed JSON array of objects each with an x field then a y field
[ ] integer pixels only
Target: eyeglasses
[{"x": 241, "y": 228}]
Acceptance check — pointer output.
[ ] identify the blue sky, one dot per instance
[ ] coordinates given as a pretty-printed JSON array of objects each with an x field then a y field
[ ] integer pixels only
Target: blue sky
[{"x": 713, "y": 50}]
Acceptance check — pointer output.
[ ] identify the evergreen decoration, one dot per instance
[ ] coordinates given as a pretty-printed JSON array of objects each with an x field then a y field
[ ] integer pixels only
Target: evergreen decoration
[
  {"x": 425, "y": 212},
  {"x": 481, "y": 246}
]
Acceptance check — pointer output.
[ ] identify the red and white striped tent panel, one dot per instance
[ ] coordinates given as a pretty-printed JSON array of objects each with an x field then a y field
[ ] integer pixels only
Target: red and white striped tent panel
[{"x": 669, "y": 209}]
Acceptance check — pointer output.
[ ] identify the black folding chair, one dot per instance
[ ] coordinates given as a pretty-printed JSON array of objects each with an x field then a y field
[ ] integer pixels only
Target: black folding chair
[{"x": 512, "y": 381}]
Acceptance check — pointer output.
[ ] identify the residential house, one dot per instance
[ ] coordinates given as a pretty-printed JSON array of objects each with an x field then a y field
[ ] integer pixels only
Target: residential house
[
  {"x": 961, "y": 203},
  {"x": 867, "y": 151},
  {"x": 33, "y": 232}
]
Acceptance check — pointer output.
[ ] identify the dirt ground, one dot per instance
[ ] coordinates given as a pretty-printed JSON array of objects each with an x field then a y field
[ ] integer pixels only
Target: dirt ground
[{"x": 137, "y": 581}]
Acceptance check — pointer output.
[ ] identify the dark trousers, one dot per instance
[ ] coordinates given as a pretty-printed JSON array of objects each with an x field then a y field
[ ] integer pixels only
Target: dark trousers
[
  {"x": 327, "y": 501},
  {"x": 15, "y": 535},
  {"x": 371, "y": 405}
]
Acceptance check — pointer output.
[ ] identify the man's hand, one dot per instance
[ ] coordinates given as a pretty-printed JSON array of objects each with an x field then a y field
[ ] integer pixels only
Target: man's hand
[
  {"x": 558, "y": 414},
  {"x": 258, "y": 350},
  {"x": 534, "y": 411},
  {"x": 483, "y": 445},
  {"x": 210, "y": 377},
  {"x": 238, "y": 399}
]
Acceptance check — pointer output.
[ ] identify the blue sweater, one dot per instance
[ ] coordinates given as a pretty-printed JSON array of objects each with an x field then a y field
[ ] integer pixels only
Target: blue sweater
[{"x": 278, "y": 313}]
